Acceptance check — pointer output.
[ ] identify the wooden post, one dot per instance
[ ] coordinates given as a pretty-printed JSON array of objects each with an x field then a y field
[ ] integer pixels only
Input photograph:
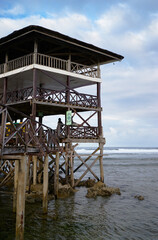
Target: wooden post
[
  {"x": 34, "y": 94},
  {"x": 40, "y": 166},
  {"x": 101, "y": 162},
  {"x": 4, "y": 114},
  {"x": 34, "y": 170},
  {"x": 69, "y": 63},
  {"x": 5, "y": 90},
  {"x": 20, "y": 208},
  {"x": 45, "y": 185},
  {"x": 16, "y": 170},
  {"x": 6, "y": 63},
  {"x": 66, "y": 163},
  {"x": 67, "y": 102},
  {"x": 28, "y": 171},
  {"x": 99, "y": 112},
  {"x": 56, "y": 175},
  {"x": 35, "y": 51},
  {"x": 71, "y": 166},
  {"x": 98, "y": 71}
]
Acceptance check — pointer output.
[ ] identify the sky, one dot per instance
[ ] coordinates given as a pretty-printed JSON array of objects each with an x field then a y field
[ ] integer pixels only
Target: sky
[{"x": 126, "y": 27}]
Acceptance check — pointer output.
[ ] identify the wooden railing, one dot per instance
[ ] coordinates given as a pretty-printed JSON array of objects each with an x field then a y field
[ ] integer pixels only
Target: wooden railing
[
  {"x": 19, "y": 95},
  {"x": 52, "y": 62},
  {"x": 79, "y": 132},
  {"x": 83, "y": 132},
  {"x": 79, "y": 99},
  {"x": 2, "y": 68},
  {"x": 28, "y": 133},
  {"x": 85, "y": 70},
  {"x": 20, "y": 62}
]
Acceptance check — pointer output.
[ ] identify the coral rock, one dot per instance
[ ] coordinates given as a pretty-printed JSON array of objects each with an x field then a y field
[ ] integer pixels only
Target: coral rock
[{"x": 100, "y": 189}]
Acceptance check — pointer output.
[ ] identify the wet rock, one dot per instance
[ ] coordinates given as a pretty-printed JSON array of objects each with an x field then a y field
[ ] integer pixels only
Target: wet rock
[
  {"x": 38, "y": 188},
  {"x": 33, "y": 197},
  {"x": 65, "y": 190},
  {"x": 139, "y": 197},
  {"x": 100, "y": 189},
  {"x": 87, "y": 183}
]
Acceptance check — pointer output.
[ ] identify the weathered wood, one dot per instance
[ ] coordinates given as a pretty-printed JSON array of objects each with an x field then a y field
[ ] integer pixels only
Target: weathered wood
[
  {"x": 71, "y": 165},
  {"x": 45, "y": 185},
  {"x": 20, "y": 207},
  {"x": 101, "y": 162},
  {"x": 16, "y": 170},
  {"x": 56, "y": 175},
  {"x": 5, "y": 90},
  {"x": 99, "y": 105},
  {"x": 34, "y": 170},
  {"x": 66, "y": 163},
  {"x": 86, "y": 171},
  {"x": 11, "y": 157},
  {"x": 89, "y": 156},
  {"x": 28, "y": 171},
  {"x": 84, "y": 163}
]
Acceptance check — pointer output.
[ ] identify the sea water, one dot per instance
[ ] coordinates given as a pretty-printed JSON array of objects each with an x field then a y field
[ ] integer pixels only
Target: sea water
[{"x": 124, "y": 217}]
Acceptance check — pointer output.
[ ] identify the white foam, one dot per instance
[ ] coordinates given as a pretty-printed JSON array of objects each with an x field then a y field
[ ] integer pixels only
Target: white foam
[{"x": 122, "y": 151}]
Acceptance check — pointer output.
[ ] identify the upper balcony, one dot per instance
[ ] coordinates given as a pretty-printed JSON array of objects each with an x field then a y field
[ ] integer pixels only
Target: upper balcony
[{"x": 51, "y": 62}]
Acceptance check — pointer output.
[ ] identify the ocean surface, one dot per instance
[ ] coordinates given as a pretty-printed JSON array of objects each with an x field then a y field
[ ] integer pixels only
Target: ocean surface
[{"x": 133, "y": 170}]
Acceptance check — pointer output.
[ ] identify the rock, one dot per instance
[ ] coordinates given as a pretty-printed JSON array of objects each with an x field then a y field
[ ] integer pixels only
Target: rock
[
  {"x": 65, "y": 190},
  {"x": 38, "y": 188},
  {"x": 86, "y": 183},
  {"x": 100, "y": 189},
  {"x": 33, "y": 197},
  {"x": 139, "y": 197}
]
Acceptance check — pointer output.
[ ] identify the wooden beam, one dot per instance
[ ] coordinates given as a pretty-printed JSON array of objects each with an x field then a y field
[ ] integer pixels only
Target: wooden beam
[
  {"x": 86, "y": 160},
  {"x": 84, "y": 163},
  {"x": 86, "y": 171}
]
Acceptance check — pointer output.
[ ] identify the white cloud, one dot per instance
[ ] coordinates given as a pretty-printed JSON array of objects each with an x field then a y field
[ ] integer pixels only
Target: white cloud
[
  {"x": 129, "y": 88},
  {"x": 16, "y": 10}
]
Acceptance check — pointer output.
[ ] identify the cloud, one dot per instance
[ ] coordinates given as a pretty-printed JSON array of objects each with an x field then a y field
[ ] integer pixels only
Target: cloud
[
  {"x": 130, "y": 87},
  {"x": 15, "y": 11}
]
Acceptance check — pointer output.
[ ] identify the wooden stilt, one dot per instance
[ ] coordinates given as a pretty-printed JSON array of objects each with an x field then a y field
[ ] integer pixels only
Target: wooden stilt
[
  {"x": 101, "y": 162},
  {"x": 34, "y": 170},
  {"x": 45, "y": 185},
  {"x": 66, "y": 163},
  {"x": 71, "y": 166},
  {"x": 15, "y": 184},
  {"x": 20, "y": 208},
  {"x": 56, "y": 175},
  {"x": 40, "y": 166},
  {"x": 28, "y": 172}
]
